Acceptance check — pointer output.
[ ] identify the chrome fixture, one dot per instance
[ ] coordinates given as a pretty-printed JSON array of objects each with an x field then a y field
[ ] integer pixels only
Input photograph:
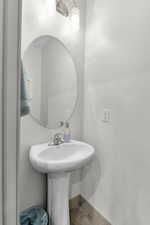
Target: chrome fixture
[
  {"x": 62, "y": 8},
  {"x": 66, "y": 7},
  {"x": 58, "y": 139}
]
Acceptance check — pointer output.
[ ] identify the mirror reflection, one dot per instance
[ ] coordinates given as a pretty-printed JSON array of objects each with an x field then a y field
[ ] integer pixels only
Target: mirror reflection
[{"x": 51, "y": 81}]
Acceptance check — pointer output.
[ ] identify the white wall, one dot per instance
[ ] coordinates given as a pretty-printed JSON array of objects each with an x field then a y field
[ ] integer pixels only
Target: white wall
[
  {"x": 1, "y": 130},
  {"x": 36, "y": 21},
  {"x": 117, "y": 77}
]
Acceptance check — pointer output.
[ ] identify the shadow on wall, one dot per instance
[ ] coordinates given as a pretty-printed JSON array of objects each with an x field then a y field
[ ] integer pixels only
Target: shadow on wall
[{"x": 90, "y": 178}]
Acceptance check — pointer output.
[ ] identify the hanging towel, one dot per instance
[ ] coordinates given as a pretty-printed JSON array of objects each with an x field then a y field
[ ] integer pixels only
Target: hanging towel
[
  {"x": 34, "y": 216},
  {"x": 25, "y": 109}
]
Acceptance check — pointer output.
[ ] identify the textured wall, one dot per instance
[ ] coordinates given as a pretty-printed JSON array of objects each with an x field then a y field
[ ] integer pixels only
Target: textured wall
[
  {"x": 117, "y": 77},
  {"x": 36, "y": 22}
]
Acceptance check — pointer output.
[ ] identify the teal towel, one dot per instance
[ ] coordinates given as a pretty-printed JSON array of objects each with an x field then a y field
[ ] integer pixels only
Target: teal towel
[
  {"x": 25, "y": 109},
  {"x": 34, "y": 216}
]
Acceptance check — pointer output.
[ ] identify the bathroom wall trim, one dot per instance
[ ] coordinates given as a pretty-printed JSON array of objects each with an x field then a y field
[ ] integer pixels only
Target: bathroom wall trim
[{"x": 11, "y": 29}]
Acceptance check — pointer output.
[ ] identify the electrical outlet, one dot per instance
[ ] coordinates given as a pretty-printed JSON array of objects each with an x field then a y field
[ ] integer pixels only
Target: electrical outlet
[{"x": 106, "y": 116}]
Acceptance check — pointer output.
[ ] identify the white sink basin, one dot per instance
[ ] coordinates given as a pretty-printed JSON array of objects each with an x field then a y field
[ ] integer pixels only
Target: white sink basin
[
  {"x": 58, "y": 162},
  {"x": 64, "y": 157}
]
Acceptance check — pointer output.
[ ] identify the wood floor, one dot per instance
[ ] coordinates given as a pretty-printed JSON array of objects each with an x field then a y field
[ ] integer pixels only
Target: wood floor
[{"x": 82, "y": 213}]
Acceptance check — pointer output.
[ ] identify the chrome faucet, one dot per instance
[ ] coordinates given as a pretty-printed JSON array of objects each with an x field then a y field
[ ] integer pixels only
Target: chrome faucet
[{"x": 58, "y": 139}]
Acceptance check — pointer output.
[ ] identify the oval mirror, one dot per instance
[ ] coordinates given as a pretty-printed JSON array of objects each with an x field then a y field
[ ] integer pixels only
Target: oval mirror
[{"x": 52, "y": 81}]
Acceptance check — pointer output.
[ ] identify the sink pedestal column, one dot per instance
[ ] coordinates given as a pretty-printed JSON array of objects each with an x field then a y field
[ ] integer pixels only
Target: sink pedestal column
[{"x": 58, "y": 198}]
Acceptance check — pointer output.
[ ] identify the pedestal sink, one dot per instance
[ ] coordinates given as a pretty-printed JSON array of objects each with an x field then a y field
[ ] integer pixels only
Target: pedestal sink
[{"x": 58, "y": 162}]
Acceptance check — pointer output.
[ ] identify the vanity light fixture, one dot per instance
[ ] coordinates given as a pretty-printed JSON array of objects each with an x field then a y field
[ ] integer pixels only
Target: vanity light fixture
[
  {"x": 62, "y": 7},
  {"x": 67, "y": 7},
  {"x": 70, "y": 9}
]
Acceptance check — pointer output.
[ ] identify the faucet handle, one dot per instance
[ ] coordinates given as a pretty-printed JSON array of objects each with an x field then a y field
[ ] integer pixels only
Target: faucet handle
[{"x": 58, "y": 139}]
